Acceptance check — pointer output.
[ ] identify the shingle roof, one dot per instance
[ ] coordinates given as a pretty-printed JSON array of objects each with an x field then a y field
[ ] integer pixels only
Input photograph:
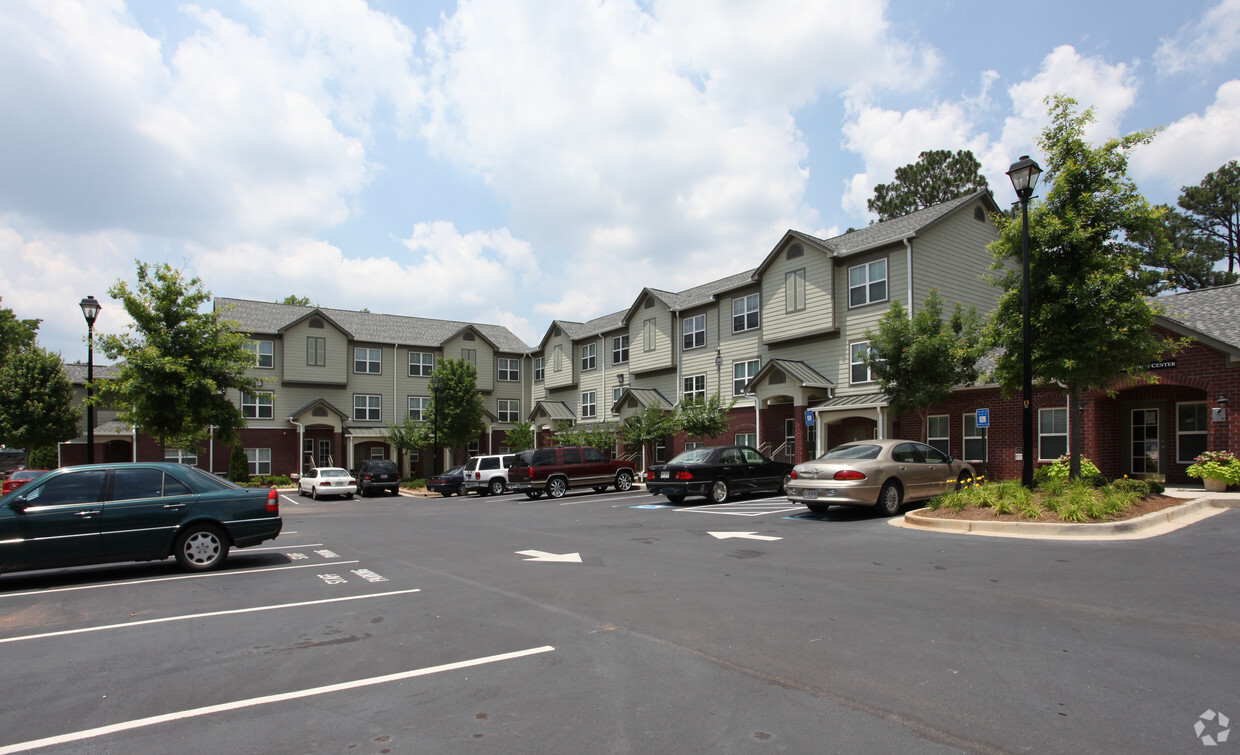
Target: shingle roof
[
  {"x": 1212, "y": 312},
  {"x": 76, "y": 372},
  {"x": 707, "y": 292},
  {"x": 895, "y": 229},
  {"x": 269, "y": 319}
]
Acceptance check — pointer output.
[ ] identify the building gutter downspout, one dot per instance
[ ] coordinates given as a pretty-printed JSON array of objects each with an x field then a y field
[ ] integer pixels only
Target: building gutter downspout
[{"x": 908, "y": 256}]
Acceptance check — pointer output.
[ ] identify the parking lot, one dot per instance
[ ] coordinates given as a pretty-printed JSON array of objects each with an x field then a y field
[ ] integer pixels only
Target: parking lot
[{"x": 615, "y": 622}]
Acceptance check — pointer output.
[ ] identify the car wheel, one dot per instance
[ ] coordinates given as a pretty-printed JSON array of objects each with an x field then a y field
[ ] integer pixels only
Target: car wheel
[
  {"x": 396, "y": 490},
  {"x": 301, "y": 492},
  {"x": 965, "y": 480},
  {"x": 719, "y": 492},
  {"x": 349, "y": 496},
  {"x": 783, "y": 486},
  {"x": 890, "y": 498},
  {"x": 676, "y": 498},
  {"x": 533, "y": 495},
  {"x": 624, "y": 481},
  {"x": 201, "y": 547},
  {"x": 556, "y": 487},
  {"x": 314, "y": 494},
  {"x": 818, "y": 508},
  {"x": 497, "y": 486}
]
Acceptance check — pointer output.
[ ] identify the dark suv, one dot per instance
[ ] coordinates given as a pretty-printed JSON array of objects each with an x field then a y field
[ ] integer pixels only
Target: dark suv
[
  {"x": 554, "y": 470},
  {"x": 377, "y": 474}
]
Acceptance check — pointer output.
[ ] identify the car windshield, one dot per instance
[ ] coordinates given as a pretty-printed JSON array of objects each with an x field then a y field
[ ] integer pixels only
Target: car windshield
[
  {"x": 692, "y": 456},
  {"x": 333, "y": 473},
  {"x": 852, "y": 451}
]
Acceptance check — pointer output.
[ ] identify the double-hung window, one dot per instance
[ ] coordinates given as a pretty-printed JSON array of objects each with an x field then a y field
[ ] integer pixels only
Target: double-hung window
[
  {"x": 367, "y": 407},
  {"x": 367, "y": 361},
  {"x": 1190, "y": 431},
  {"x": 258, "y": 461},
  {"x": 867, "y": 283},
  {"x": 509, "y": 370},
  {"x": 742, "y": 373},
  {"x": 858, "y": 368},
  {"x": 745, "y": 439},
  {"x": 421, "y": 363},
  {"x": 540, "y": 368},
  {"x": 509, "y": 410},
  {"x": 181, "y": 456},
  {"x": 259, "y": 405},
  {"x": 694, "y": 387},
  {"x": 693, "y": 330},
  {"x": 620, "y": 349},
  {"x": 974, "y": 439},
  {"x": 471, "y": 356},
  {"x": 589, "y": 356},
  {"x": 418, "y": 406},
  {"x": 745, "y": 313},
  {"x": 589, "y": 404},
  {"x": 937, "y": 428},
  {"x": 1052, "y": 433},
  {"x": 264, "y": 354},
  {"x": 316, "y": 351}
]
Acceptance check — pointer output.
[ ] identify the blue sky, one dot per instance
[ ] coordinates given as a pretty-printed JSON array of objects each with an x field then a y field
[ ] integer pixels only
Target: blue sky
[{"x": 515, "y": 161}]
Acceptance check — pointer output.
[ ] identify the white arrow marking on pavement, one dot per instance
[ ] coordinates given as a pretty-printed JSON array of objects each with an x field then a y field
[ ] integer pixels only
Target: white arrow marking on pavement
[
  {"x": 543, "y": 556},
  {"x": 745, "y": 535}
]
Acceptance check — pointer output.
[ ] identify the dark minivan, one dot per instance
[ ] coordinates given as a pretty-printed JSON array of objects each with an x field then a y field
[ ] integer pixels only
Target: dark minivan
[{"x": 377, "y": 474}]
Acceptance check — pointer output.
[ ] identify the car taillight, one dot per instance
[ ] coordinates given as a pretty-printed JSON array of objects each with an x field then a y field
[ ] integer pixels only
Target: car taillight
[
  {"x": 792, "y": 475},
  {"x": 649, "y": 476},
  {"x": 477, "y": 475},
  {"x": 273, "y": 501},
  {"x": 849, "y": 474},
  {"x": 327, "y": 483},
  {"x": 684, "y": 475}
]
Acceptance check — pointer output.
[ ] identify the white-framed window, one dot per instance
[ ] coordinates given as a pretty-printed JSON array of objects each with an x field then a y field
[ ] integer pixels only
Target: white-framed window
[
  {"x": 620, "y": 349},
  {"x": 742, "y": 373},
  {"x": 589, "y": 404},
  {"x": 470, "y": 355},
  {"x": 264, "y": 354},
  {"x": 376, "y": 452},
  {"x": 181, "y": 456},
  {"x": 693, "y": 332},
  {"x": 589, "y": 356},
  {"x": 421, "y": 363},
  {"x": 325, "y": 453},
  {"x": 693, "y": 387},
  {"x": 258, "y": 460},
  {"x": 867, "y": 283},
  {"x": 974, "y": 439},
  {"x": 509, "y": 410},
  {"x": 540, "y": 368},
  {"x": 316, "y": 351},
  {"x": 1052, "y": 433},
  {"x": 648, "y": 332},
  {"x": 367, "y": 361},
  {"x": 691, "y": 445},
  {"x": 509, "y": 369},
  {"x": 938, "y": 427},
  {"x": 367, "y": 407},
  {"x": 794, "y": 290},
  {"x": 858, "y": 370},
  {"x": 258, "y": 405},
  {"x": 615, "y": 399},
  {"x": 1191, "y": 426},
  {"x": 745, "y": 314},
  {"x": 418, "y": 406},
  {"x": 746, "y": 439},
  {"x": 660, "y": 450}
]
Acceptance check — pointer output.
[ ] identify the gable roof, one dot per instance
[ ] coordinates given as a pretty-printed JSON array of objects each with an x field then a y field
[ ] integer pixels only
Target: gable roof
[
  {"x": 692, "y": 297},
  {"x": 1210, "y": 314},
  {"x": 271, "y": 319}
]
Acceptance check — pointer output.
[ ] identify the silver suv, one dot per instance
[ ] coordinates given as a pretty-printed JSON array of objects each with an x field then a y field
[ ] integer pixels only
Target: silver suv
[{"x": 487, "y": 474}]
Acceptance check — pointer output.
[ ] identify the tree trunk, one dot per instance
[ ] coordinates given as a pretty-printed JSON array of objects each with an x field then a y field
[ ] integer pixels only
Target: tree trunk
[{"x": 1074, "y": 432}]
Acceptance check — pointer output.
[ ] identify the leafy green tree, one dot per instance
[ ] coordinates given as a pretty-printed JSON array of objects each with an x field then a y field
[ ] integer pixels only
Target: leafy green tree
[
  {"x": 1090, "y": 319},
  {"x": 36, "y": 400},
  {"x": 409, "y": 437},
  {"x": 703, "y": 418},
  {"x": 918, "y": 361},
  {"x": 43, "y": 457},
  {"x": 1213, "y": 208},
  {"x": 651, "y": 425},
  {"x": 296, "y": 301},
  {"x": 456, "y": 407},
  {"x": 176, "y": 362},
  {"x": 600, "y": 435},
  {"x": 521, "y": 436},
  {"x": 938, "y": 176},
  {"x": 1177, "y": 256},
  {"x": 15, "y": 335},
  {"x": 238, "y": 464}
]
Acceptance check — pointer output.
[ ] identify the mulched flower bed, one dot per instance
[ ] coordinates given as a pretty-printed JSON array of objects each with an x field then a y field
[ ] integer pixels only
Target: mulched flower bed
[{"x": 1146, "y": 505}]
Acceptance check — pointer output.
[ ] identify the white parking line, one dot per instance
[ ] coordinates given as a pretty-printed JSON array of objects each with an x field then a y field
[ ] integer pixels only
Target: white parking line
[
  {"x": 743, "y": 509},
  {"x": 171, "y": 579},
  {"x": 78, "y": 736},
  {"x": 188, "y": 617}
]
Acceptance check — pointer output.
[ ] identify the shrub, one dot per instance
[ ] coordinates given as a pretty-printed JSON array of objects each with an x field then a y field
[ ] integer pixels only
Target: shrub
[
  {"x": 42, "y": 458},
  {"x": 238, "y": 465},
  {"x": 1059, "y": 469},
  {"x": 1139, "y": 488},
  {"x": 1216, "y": 465}
]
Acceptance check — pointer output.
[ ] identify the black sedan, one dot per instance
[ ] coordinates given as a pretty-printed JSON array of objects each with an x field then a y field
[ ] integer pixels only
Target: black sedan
[
  {"x": 717, "y": 473},
  {"x": 447, "y": 483},
  {"x": 132, "y": 512}
]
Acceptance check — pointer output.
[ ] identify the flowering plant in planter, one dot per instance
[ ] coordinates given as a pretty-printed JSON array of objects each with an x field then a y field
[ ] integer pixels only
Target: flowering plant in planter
[{"x": 1216, "y": 465}]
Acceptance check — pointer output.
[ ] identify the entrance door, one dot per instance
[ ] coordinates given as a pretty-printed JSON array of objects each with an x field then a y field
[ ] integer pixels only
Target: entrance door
[
  {"x": 325, "y": 453},
  {"x": 1145, "y": 441}
]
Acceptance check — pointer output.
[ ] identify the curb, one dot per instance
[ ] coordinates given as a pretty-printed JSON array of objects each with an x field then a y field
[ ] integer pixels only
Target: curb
[{"x": 1165, "y": 520}]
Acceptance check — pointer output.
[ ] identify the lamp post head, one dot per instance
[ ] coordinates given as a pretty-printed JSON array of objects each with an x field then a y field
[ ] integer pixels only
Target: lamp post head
[
  {"x": 1024, "y": 175},
  {"x": 90, "y": 310}
]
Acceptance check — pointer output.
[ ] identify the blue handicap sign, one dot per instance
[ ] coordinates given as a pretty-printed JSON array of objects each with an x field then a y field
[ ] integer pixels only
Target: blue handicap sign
[
  {"x": 983, "y": 418},
  {"x": 809, "y": 417}
]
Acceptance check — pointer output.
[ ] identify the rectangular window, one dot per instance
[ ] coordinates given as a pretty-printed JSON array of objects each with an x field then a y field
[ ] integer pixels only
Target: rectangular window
[
  {"x": 867, "y": 283},
  {"x": 694, "y": 387},
  {"x": 615, "y": 399},
  {"x": 1190, "y": 431},
  {"x": 589, "y": 356},
  {"x": 937, "y": 429},
  {"x": 316, "y": 351},
  {"x": 260, "y": 405},
  {"x": 368, "y": 407},
  {"x": 693, "y": 332},
  {"x": 589, "y": 406},
  {"x": 746, "y": 439},
  {"x": 558, "y": 355},
  {"x": 691, "y": 445},
  {"x": 509, "y": 410},
  {"x": 660, "y": 450},
  {"x": 1052, "y": 433},
  {"x": 742, "y": 373},
  {"x": 539, "y": 368},
  {"x": 859, "y": 371},
  {"x": 180, "y": 456},
  {"x": 421, "y": 364},
  {"x": 471, "y": 356},
  {"x": 794, "y": 291},
  {"x": 974, "y": 439},
  {"x": 376, "y": 452},
  {"x": 648, "y": 331},
  {"x": 620, "y": 349},
  {"x": 509, "y": 370},
  {"x": 418, "y": 406},
  {"x": 264, "y": 354},
  {"x": 367, "y": 361},
  {"x": 325, "y": 453},
  {"x": 745, "y": 313},
  {"x": 258, "y": 460}
]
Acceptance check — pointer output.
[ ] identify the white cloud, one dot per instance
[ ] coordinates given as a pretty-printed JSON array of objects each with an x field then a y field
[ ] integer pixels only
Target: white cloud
[
  {"x": 1204, "y": 44},
  {"x": 1184, "y": 152}
]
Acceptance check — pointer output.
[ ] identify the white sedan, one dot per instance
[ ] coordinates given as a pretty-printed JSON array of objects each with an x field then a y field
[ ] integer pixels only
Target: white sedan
[{"x": 322, "y": 481}]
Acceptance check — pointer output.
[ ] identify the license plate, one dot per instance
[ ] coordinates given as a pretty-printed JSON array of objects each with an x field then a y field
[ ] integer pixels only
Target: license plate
[
  {"x": 810, "y": 493},
  {"x": 664, "y": 475}
]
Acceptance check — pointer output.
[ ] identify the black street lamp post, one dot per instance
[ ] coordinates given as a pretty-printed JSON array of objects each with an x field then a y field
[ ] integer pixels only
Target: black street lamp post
[
  {"x": 90, "y": 310},
  {"x": 435, "y": 399},
  {"x": 1024, "y": 174}
]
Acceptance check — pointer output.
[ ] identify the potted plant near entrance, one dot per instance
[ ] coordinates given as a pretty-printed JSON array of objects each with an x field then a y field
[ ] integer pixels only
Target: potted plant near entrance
[{"x": 1216, "y": 469}]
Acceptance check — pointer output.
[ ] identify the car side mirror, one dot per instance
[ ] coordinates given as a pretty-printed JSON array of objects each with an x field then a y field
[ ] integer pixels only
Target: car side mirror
[{"x": 19, "y": 504}]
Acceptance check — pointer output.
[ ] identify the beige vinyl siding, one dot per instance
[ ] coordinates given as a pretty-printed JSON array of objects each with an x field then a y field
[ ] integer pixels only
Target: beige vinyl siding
[
  {"x": 561, "y": 348},
  {"x": 818, "y": 316},
  {"x": 373, "y": 384},
  {"x": 663, "y": 355},
  {"x": 339, "y": 360},
  {"x": 485, "y": 357},
  {"x": 509, "y": 390},
  {"x": 952, "y": 257},
  {"x": 855, "y": 321}
]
